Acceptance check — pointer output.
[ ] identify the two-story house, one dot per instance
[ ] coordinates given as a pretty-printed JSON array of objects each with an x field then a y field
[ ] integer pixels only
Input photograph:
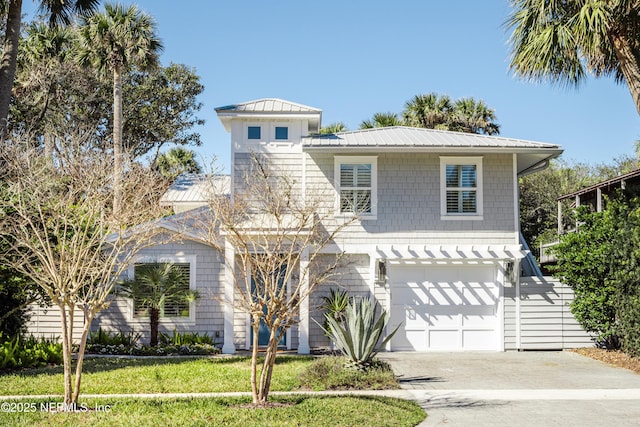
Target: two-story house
[{"x": 436, "y": 242}]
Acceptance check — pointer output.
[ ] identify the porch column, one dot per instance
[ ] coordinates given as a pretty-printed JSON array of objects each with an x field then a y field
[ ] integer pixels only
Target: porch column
[
  {"x": 303, "y": 326},
  {"x": 228, "y": 303}
]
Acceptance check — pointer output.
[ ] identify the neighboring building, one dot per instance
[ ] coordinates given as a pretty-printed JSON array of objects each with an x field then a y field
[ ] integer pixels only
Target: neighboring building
[{"x": 437, "y": 242}]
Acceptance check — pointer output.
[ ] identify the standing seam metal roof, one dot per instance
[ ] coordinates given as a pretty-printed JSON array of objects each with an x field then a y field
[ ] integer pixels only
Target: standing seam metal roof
[
  {"x": 402, "y": 136},
  {"x": 269, "y": 105}
]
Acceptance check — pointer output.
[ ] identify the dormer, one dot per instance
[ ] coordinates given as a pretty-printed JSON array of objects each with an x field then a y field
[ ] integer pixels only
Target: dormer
[{"x": 269, "y": 124}]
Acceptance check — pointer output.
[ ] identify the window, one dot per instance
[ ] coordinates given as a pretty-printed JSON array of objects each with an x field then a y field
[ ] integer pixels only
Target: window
[
  {"x": 253, "y": 132},
  {"x": 357, "y": 182},
  {"x": 461, "y": 187},
  {"x": 282, "y": 132},
  {"x": 172, "y": 307}
]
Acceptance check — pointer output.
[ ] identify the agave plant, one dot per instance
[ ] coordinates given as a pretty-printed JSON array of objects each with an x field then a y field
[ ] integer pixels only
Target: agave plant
[{"x": 359, "y": 336}]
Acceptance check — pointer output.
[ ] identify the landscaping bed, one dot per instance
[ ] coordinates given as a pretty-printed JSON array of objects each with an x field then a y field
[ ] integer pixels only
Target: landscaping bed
[{"x": 611, "y": 357}]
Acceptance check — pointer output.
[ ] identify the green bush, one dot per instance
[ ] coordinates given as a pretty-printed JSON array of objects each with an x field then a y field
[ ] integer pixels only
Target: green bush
[
  {"x": 102, "y": 337},
  {"x": 184, "y": 338},
  {"x": 17, "y": 352},
  {"x": 329, "y": 373}
]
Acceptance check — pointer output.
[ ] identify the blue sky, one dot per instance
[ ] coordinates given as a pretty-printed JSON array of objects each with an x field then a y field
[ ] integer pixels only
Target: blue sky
[{"x": 355, "y": 58}]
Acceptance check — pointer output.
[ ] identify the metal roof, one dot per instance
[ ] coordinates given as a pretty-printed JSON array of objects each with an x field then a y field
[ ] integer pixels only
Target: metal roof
[
  {"x": 531, "y": 156},
  {"x": 193, "y": 188},
  {"x": 268, "y": 105},
  {"x": 402, "y": 136}
]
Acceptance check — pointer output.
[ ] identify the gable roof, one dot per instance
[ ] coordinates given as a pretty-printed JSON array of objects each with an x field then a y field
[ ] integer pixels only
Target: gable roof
[
  {"x": 269, "y": 108},
  {"x": 410, "y": 139}
]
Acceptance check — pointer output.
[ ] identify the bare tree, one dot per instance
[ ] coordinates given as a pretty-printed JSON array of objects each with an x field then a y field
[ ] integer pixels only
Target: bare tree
[
  {"x": 277, "y": 237},
  {"x": 57, "y": 220}
]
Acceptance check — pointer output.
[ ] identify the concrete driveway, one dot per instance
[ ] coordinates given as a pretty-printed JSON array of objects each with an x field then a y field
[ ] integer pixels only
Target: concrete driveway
[{"x": 518, "y": 389}]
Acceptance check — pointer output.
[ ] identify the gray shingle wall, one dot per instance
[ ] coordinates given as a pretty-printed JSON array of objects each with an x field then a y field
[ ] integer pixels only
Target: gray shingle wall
[
  {"x": 208, "y": 308},
  {"x": 409, "y": 201}
]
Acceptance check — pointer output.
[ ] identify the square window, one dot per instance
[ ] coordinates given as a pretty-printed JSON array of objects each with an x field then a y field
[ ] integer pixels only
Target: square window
[
  {"x": 153, "y": 288},
  {"x": 282, "y": 132},
  {"x": 253, "y": 132},
  {"x": 461, "y": 187}
]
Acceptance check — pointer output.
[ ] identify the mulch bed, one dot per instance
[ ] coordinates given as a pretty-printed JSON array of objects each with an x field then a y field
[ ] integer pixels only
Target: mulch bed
[{"x": 611, "y": 357}]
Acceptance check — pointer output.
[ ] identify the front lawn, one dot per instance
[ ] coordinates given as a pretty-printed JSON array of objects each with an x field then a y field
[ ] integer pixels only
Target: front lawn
[
  {"x": 155, "y": 375},
  {"x": 218, "y": 374},
  {"x": 301, "y": 410}
]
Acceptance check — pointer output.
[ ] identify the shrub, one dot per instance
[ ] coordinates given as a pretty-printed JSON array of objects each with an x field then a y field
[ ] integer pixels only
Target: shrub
[
  {"x": 329, "y": 373},
  {"x": 359, "y": 335},
  {"x": 32, "y": 352},
  {"x": 184, "y": 338},
  {"x": 102, "y": 337},
  {"x": 335, "y": 305}
]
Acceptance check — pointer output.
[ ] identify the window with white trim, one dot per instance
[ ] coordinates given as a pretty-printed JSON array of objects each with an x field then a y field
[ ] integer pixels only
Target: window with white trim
[
  {"x": 461, "y": 187},
  {"x": 254, "y": 132},
  {"x": 281, "y": 133},
  {"x": 356, "y": 179},
  {"x": 179, "y": 310}
]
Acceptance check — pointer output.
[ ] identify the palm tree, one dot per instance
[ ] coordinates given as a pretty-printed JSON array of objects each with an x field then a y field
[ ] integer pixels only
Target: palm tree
[
  {"x": 112, "y": 42},
  {"x": 60, "y": 12},
  {"x": 562, "y": 41},
  {"x": 473, "y": 116},
  {"x": 177, "y": 161},
  {"x": 155, "y": 285},
  {"x": 333, "y": 128},
  {"x": 381, "y": 120},
  {"x": 429, "y": 111}
]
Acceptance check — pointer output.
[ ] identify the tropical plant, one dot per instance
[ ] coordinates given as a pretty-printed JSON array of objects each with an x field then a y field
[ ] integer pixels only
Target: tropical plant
[
  {"x": 17, "y": 352},
  {"x": 177, "y": 161},
  {"x": 473, "y": 116},
  {"x": 59, "y": 13},
  {"x": 104, "y": 337},
  {"x": 359, "y": 336},
  {"x": 177, "y": 338},
  {"x": 335, "y": 305},
  {"x": 562, "y": 41},
  {"x": 381, "y": 120},
  {"x": 430, "y": 111},
  {"x": 333, "y": 128},
  {"x": 113, "y": 42},
  {"x": 154, "y": 285}
]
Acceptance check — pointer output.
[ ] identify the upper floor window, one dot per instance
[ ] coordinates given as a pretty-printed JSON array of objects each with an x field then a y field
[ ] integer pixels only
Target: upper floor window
[
  {"x": 357, "y": 185},
  {"x": 282, "y": 133},
  {"x": 461, "y": 187},
  {"x": 253, "y": 132}
]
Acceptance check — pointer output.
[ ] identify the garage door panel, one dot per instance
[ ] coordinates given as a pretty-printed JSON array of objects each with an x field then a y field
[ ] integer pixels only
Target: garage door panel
[
  {"x": 479, "y": 340},
  {"x": 444, "y": 307}
]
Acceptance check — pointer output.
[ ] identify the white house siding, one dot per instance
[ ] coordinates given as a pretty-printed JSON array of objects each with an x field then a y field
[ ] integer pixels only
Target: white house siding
[
  {"x": 409, "y": 201},
  {"x": 45, "y": 322},
  {"x": 354, "y": 277},
  {"x": 208, "y": 282}
]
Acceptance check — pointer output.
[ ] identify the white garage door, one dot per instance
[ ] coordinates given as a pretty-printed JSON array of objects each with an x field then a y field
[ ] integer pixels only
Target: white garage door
[{"x": 444, "y": 307}]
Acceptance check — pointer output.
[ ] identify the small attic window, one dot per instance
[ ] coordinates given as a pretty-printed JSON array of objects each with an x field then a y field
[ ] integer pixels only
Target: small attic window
[
  {"x": 282, "y": 133},
  {"x": 253, "y": 132}
]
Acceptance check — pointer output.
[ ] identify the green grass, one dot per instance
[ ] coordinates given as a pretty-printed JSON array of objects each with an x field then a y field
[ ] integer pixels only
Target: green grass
[
  {"x": 153, "y": 375},
  {"x": 304, "y": 410}
]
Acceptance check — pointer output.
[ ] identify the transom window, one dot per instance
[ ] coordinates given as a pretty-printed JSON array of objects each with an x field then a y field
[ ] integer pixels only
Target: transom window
[
  {"x": 282, "y": 132},
  {"x": 357, "y": 185},
  {"x": 253, "y": 132},
  {"x": 461, "y": 186}
]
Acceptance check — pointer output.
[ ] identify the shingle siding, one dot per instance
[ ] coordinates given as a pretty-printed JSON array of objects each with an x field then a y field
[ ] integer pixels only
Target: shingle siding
[
  {"x": 208, "y": 282},
  {"x": 409, "y": 201}
]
